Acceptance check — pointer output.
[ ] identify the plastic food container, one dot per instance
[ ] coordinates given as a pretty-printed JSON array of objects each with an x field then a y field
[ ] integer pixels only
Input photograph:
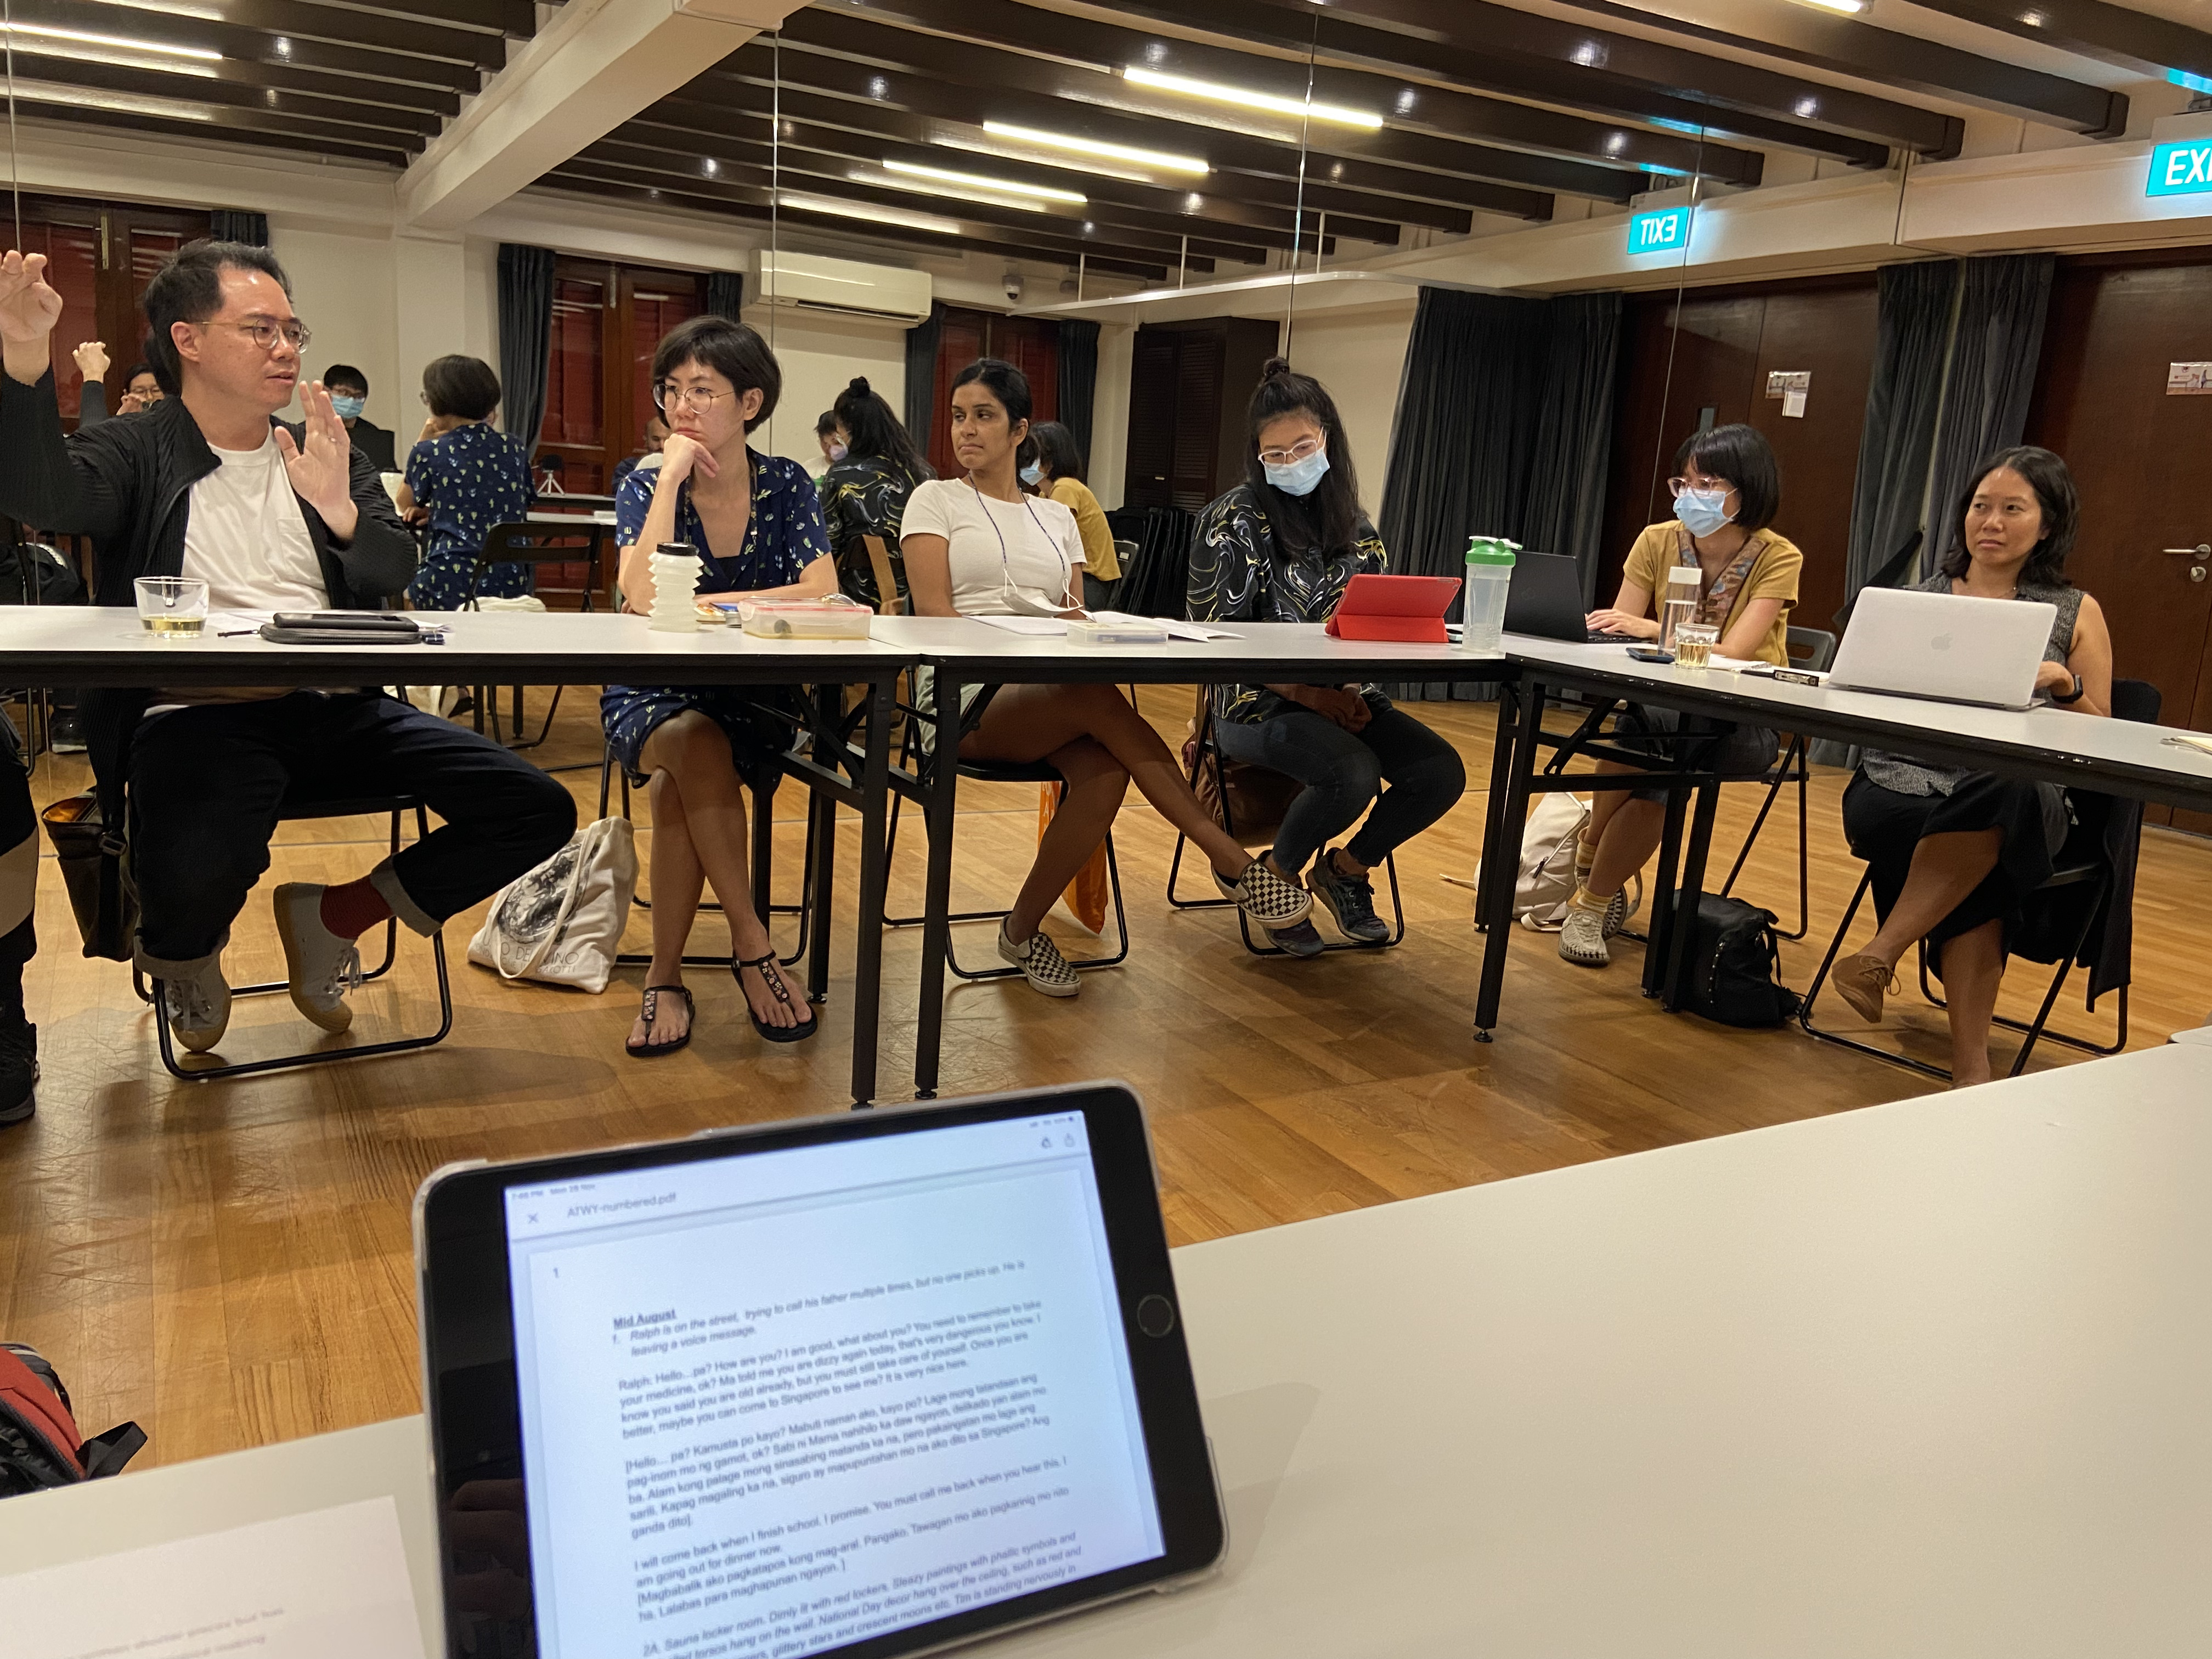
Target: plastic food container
[
  {"x": 1095, "y": 631},
  {"x": 836, "y": 617}
]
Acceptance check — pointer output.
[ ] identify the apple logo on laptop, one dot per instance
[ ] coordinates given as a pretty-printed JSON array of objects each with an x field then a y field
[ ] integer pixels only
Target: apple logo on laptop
[{"x": 1941, "y": 642}]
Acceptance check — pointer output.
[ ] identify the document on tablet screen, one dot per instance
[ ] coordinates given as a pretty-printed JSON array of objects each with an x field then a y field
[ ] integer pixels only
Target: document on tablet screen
[{"x": 777, "y": 1402}]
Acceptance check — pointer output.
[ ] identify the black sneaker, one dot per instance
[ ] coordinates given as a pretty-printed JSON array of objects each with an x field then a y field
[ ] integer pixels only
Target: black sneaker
[
  {"x": 1350, "y": 900},
  {"x": 19, "y": 1071}
]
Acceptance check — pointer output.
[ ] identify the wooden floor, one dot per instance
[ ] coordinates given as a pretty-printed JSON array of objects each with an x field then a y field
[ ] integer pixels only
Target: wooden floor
[{"x": 230, "y": 1263}]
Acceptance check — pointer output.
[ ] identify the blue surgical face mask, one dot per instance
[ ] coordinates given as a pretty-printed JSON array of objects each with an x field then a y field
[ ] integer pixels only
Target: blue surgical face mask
[
  {"x": 1702, "y": 511},
  {"x": 837, "y": 452},
  {"x": 1033, "y": 475},
  {"x": 349, "y": 408},
  {"x": 1299, "y": 477}
]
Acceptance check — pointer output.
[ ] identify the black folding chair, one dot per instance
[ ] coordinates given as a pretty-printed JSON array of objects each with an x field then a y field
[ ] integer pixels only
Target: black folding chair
[
  {"x": 1812, "y": 649},
  {"x": 537, "y": 546}
]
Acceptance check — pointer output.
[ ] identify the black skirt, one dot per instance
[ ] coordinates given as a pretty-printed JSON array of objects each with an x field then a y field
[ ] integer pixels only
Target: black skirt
[{"x": 1885, "y": 827}]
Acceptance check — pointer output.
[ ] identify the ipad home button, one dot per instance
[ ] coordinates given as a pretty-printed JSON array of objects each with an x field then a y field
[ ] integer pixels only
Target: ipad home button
[{"x": 1156, "y": 1316}]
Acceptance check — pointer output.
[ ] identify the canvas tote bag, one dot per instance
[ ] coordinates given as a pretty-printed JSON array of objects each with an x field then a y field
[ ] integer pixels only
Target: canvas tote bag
[{"x": 562, "y": 923}]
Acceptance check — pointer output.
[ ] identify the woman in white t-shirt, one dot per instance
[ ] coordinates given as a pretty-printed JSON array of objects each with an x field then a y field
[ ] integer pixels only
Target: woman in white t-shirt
[{"x": 977, "y": 546}]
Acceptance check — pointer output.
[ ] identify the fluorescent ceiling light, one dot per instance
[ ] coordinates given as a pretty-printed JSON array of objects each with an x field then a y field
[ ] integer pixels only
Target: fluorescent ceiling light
[
  {"x": 975, "y": 145},
  {"x": 1836, "y": 5},
  {"x": 977, "y": 181},
  {"x": 805, "y": 203},
  {"x": 1142, "y": 158},
  {"x": 119, "y": 42},
  {"x": 205, "y": 14},
  {"x": 958, "y": 192},
  {"x": 1246, "y": 99},
  {"x": 168, "y": 109}
]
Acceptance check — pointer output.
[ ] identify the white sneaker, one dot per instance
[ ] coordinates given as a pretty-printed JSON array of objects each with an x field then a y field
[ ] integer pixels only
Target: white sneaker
[
  {"x": 321, "y": 966},
  {"x": 1582, "y": 940},
  {"x": 198, "y": 1009},
  {"x": 1616, "y": 914},
  {"x": 1040, "y": 962}
]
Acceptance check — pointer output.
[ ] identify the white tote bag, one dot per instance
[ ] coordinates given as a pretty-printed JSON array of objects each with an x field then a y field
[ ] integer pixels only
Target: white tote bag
[
  {"x": 562, "y": 923},
  {"x": 1545, "y": 884}
]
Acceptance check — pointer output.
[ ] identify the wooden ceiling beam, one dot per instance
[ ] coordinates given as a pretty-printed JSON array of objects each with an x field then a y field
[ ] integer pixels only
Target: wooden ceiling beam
[
  {"x": 345, "y": 26},
  {"x": 298, "y": 139},
  {"x": 251, "y": 45},
  {"x": 514, "y": 20},
  {"x": 2138, "y": 40},
  {"x": 410, "y": 128}
]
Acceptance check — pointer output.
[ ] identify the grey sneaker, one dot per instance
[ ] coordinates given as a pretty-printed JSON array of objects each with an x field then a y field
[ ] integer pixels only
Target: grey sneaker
[
  {"x": 1040, "y": 962},
  {"x": 198, "y": 1010},
  {"x": 1265, "y": 897},
  {"x": 1582, "y": 940},
  {"x": 1616, "y": 914},
  {"x": 1350, "y": 900},
  {"x": 321, "y": 966},
  {"x": 1299, "y": 939}
]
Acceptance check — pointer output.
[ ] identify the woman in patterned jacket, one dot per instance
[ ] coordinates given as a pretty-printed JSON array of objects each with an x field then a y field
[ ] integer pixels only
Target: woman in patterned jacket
[
  {"x": 875, "y": 469},
  {"x": 464, "y": 477},
  {"x": 1281, "y": 548}
]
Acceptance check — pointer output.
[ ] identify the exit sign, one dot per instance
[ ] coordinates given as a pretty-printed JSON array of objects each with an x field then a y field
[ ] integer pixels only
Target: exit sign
[
  {"x": 2180, "y": 169},
  {"x": 1666, "y": 231}
]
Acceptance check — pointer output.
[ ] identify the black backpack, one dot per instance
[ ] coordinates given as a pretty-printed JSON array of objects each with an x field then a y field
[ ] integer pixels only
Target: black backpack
[{"x": 1734, "y": 965}]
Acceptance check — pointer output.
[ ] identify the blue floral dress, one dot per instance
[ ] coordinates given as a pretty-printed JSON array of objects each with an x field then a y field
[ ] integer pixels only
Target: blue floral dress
[
  {"x": 469, "y": 480},
  {"x": 784, "y": 534}
]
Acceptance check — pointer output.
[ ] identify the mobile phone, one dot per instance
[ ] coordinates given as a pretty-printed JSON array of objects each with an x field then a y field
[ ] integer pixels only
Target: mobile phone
[{"x": 1649, "y": 653}]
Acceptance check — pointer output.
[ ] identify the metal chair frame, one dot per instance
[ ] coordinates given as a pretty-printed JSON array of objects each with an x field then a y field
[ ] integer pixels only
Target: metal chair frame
[
  {"x": 534, "y": 544},
  {"x": 1796, "y": 767}
]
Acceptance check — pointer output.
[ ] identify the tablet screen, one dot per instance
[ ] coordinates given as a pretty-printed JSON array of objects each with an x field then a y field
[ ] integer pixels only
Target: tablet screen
[{"x": 776, "y": 1403}]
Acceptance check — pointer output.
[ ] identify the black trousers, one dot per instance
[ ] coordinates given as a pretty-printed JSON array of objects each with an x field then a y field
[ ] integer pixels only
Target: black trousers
[
  {"x": 19, "y": 870},
  {"x": 207, "y": 783}
]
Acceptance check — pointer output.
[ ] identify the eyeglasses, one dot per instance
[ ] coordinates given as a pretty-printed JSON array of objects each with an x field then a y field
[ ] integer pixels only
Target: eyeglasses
[
  {"x": 1677, "y": 486},
  {"x": 1304, "y": 449},
  {"x": 698, "y": 399},
  {"x": 264, "y": 332}
]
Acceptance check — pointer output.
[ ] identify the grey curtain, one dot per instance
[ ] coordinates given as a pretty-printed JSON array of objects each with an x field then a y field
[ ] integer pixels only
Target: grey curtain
[
  {"x": 1504, "y": 428},
  {"x": 1914, "y": 307},
  {"x": 921, "y": 375},
  {"x": 236, "y": 225},
  {"x": 525, "y": 337},
  {"x": 1994, "y": 353},
  {"x": 726, "y": 296},
  {"x": 1078, "y": 380}
]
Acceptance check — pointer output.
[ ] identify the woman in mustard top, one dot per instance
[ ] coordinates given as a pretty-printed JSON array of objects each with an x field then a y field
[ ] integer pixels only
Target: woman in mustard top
[
  {"x": 1727, "y": 490},
  {"x": 1057, "y": 474}
]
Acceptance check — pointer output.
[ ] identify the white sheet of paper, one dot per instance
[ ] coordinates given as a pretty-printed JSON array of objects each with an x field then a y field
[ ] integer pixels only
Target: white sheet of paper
[
  {"x": 1793, "y": 406},
  {"x": 333, "y": 1583},
  {"x": 237, "y": 621},
  {"x": 1176, "y": 630},
  {"x": 1040, "y": 627}
]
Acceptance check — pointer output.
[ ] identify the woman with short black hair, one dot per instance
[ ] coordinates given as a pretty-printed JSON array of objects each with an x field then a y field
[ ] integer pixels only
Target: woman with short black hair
[
  {"x": 1954, "y": 853},
  {"x": 757, "y": 526},
  {"x": 1727, "y": 488},
  {"x": 463, "y": 478},
  {"x": 864, "y": 491}
]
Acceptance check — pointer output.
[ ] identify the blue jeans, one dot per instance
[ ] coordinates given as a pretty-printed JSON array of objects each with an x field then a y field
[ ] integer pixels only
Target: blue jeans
[{"x": 1343, "y": 771}]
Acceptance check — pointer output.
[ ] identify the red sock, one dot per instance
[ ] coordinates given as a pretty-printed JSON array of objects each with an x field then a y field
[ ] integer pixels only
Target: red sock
[{"x": 351, "y": 910}]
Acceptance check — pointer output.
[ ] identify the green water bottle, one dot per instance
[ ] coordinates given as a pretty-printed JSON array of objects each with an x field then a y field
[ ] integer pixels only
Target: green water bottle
[{"x": 1489, "y": 577}]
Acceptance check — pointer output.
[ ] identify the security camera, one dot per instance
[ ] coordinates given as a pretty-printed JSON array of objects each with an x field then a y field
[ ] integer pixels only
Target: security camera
[{"x": 1011, "y": 282}]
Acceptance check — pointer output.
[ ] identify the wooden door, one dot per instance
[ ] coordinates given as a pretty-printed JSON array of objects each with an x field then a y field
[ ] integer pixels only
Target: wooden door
[
  {"x": 1150, "y": 456},
  {"x": 1200, "y": 362},
  {"x": 1029, "y": 345},
  {"x": 607, "y": 322}
]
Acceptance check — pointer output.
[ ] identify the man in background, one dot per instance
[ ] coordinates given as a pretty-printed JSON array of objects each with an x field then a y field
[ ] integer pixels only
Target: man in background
[{"x": 349, "y": 389}]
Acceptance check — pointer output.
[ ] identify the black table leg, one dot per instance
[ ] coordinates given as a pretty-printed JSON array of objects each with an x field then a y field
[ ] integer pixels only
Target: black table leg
[
  {"x": 943, "y": 773},
  {"x": 1501, "y": 851},
  {"x": 1691, "y": 889},
  {"x": 875, "y": 863},
  {"x": 1662, "y": 929},
  {"x": 1493, "y": 812},
  {"x": 821, "y": 837}
]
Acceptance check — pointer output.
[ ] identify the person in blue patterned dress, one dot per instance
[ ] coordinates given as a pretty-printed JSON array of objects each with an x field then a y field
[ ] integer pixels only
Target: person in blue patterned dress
[
  {"x": 756, "y": 525},
  {"x": 464, "y": 477}
]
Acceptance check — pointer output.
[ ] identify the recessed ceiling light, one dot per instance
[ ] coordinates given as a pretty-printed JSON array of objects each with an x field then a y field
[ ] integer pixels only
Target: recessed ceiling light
[
  {"x": 1143, "y": 158},
  {"x": 710, "y": 167},
  {"x": 801, "y": 203},
  {"x": 977, "y": 181},
  {"x": 1246, "y": 99}
]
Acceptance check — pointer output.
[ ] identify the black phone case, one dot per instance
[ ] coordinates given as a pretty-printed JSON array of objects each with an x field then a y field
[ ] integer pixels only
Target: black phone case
[{"x": 279, "y": 635}]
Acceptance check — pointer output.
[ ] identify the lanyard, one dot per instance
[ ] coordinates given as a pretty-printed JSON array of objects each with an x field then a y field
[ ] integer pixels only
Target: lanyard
[{"x": 1005, "y": 564}]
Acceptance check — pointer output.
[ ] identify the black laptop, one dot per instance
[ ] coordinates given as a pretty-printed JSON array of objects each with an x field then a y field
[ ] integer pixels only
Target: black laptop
[{"x": 1546, "y": 600}]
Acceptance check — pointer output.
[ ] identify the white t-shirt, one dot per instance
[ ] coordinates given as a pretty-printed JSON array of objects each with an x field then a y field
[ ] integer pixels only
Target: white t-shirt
[
  {"x": 1031, "y": 545},
  {"x": 245, "y": 538}
]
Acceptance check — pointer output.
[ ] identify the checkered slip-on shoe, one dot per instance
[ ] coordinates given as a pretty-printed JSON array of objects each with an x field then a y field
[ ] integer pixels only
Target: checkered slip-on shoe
[
  {"x": 1041, "y": 963},
  {"x": 1265, "y": 896}
]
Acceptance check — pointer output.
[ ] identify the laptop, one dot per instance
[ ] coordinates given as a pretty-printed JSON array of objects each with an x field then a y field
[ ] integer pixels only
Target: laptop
[
  {"x": 1546, "y": 600},
  {"x": 876, "y": 1383},
  {"x": 1946, "y": 647}
]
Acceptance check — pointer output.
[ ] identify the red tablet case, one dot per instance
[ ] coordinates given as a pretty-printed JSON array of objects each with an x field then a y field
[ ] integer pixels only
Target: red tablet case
[{"x": 1395, "y": 608}]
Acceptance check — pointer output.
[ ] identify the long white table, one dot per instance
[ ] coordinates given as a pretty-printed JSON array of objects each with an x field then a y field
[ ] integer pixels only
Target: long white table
[{"x": 1920, "y": 1379}]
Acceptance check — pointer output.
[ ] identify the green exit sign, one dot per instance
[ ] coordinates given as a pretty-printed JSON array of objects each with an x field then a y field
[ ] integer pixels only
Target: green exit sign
[
  {"x": 2180, "y": 169},
  {"x": 1664, "y": 231}
]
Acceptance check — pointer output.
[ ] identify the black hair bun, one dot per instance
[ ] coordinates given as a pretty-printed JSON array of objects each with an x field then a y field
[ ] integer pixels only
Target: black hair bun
[
  {"x": 1275, "y": 366},
  {"x": 858, "y": 386}
]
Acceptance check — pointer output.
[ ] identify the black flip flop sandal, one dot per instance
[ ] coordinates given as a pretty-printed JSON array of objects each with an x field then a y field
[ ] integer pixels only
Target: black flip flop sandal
[
  {"x": 649, "y": 1010},
  {"x": 774, "y": 982}
]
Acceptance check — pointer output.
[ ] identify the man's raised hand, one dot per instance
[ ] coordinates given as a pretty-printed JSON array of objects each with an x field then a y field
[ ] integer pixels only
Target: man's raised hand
[
  {"x": 29, "y": 308},
  {"x": 322, "y": 473}
]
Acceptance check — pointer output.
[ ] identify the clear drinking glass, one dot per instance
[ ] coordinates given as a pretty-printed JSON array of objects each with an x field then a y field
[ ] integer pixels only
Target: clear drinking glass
[
  {"x": 172, "y": 607},
  {"x": 1694, "y": 643}
]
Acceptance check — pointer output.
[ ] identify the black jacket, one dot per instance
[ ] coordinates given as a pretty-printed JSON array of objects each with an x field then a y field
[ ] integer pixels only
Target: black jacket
[
  {"x": 374, "y": 441},
  {"x": 127, "y": 484}
]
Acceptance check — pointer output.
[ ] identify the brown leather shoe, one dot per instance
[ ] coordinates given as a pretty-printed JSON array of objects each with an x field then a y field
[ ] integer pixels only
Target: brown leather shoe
[{"x": 1862, "y": 980}]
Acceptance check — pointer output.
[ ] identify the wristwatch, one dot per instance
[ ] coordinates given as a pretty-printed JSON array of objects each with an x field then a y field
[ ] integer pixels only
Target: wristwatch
[{"x": 2074, "y": 695}]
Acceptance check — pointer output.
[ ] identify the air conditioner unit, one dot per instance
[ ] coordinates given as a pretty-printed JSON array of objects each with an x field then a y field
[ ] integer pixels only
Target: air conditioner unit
[{"x": 807, "y": 283}]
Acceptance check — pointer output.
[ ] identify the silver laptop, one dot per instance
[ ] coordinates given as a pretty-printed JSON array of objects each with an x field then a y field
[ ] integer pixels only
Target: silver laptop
[{"x": 1944, "y": 646}]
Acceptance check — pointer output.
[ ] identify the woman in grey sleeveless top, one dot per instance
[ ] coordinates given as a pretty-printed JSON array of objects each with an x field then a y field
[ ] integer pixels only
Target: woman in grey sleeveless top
[{"x": 1954, "y": 852}]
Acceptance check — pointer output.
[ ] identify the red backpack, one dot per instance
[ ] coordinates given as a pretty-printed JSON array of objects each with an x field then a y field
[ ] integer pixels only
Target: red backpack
[{"x": 39, "y": 1445}]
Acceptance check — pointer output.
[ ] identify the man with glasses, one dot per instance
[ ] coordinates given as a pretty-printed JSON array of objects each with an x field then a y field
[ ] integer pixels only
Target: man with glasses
[{"x": 208, "y": 484}]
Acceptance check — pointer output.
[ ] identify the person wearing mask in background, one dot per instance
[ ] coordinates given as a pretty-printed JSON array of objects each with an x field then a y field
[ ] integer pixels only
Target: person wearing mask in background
[
  {"x": 865, "y": 489},
  {"x": 1727, "y": 490},
  {"x": 832, "y": 445},
  {"x": 756, "y": 526},
  {"x": 348, "y": 389},
  {"x": 648, "y": 455},
  {"x": 1954, "y": 853},
  {"x": 1281, "y": 548},
  {"x": 1057, "y": 474},
  {"x": 982, "y": 546},
  {"x": 464, "y": 477}
]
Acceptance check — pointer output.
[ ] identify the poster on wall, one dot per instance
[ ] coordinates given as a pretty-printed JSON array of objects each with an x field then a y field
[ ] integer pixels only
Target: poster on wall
[{"x": 2188, "y": 379}]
